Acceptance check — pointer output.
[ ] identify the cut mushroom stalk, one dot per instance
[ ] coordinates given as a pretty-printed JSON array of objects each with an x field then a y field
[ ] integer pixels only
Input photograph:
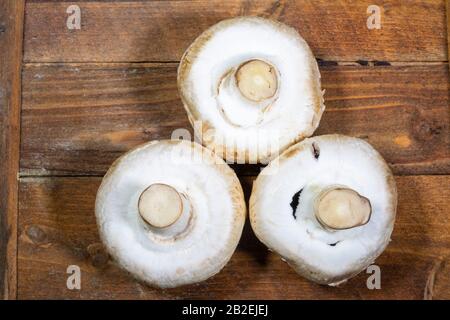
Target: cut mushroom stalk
[
  {"x": 160, "y": 205},
  {"x": 338, "y": 208},
  {"x": 257, "y": 80}
]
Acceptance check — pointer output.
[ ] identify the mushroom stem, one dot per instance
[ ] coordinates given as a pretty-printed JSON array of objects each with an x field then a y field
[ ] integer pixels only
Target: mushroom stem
[
  {"x": 160, "y": 205},
  {"x": 257, "y": 80},
  {"x": 338, "y": 207}
]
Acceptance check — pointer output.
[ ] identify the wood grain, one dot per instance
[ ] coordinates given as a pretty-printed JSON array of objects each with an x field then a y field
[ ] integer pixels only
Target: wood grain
[
  {"x": 57, "y": 228},
  {"x": 448, "y": 27},
  {"x": 143, "y": 31},
  {"x": 92, "y": 103},
  {"x": 78, "y": 118},
  {"x": 11, "y": 26}
]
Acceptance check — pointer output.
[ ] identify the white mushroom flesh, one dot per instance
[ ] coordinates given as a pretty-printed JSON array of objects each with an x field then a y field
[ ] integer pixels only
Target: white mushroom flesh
[{"x": 283, "y": 207}]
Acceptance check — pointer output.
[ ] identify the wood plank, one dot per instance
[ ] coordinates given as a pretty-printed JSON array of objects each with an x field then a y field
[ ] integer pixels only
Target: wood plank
[
  {"x": 57, "y": 228},
  {"x": 132, "y": 31},
  {"x": 11, "y": 30},
  {"x": 448, "y": 27},
  {"x": 78, "y": 118}
]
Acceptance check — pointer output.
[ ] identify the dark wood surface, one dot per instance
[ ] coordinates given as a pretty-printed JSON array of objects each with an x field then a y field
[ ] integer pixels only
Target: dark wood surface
[
  {"x": 448, "y": 25},
  {"x": 89, "y": 95},
  {"x": 412, "y": 30},
  {"x": 78, "y": 118},
  {"x": 11, "y": 26},
  {"x": 57, "y": 228}
]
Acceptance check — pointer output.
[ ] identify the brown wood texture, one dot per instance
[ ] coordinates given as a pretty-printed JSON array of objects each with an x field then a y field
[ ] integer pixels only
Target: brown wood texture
[
  {"x": 11, "y": 26},
  {"x": 411, "y": 30},
  {"x": 448, "y": 27},
  {"x": 78, "y": 118},
  {"x": 89, "y": 95},
  {"x": 57, "y": 228}
]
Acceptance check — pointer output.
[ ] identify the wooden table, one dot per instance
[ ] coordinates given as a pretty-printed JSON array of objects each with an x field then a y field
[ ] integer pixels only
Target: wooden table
[{"x": 73, "y": 100}]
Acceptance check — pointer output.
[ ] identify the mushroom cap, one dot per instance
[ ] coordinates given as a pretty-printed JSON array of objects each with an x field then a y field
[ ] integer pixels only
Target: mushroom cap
[
  {"x": 164, "y": 257},
  {"x": 237, "y": 128},
  {"x": 282, "y": 201}
]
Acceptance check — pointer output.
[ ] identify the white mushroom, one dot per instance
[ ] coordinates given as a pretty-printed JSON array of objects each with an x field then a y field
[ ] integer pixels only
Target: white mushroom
[
  {"x": 327, "y": 205},
  {"x": 251, "y": 88},
  {"x": 170, "y": 212}
]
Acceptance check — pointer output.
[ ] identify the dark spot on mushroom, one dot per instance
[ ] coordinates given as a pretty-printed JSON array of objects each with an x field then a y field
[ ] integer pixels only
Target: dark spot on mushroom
[
  {"x": 333, "y": 244},
  {"x": 294, "y": 203},
  {"x": 316, "y": 150},
  {"x": 2, "y": 28}
]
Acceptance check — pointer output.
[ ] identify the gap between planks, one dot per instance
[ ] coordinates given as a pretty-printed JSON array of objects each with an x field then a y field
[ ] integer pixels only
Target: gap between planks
[
  {"x": 27, "y": 177},
  {"x": 11, "y": 35},
  {"x": 363, "y": 63}
]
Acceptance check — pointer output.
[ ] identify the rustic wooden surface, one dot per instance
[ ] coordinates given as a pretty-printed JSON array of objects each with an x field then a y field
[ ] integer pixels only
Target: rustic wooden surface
[
  {"x": 89, "y": 95},
  {"x": 413, "y": 30},
  {"x": 58, "y": 229},
  {"x": 11, "y": 26},
  {"x": 78, "y": 118}
]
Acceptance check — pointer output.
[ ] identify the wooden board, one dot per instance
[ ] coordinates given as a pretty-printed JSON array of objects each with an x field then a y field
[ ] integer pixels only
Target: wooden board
[
  {"x": 132, "y": 31},
  {"x": 91, "y": 94},
  {"x": 57, "y": 228},
  {"x": 11, "y": 26},
  {"x": 448, "y": 27},
  {"x": 78, "y": 118}
]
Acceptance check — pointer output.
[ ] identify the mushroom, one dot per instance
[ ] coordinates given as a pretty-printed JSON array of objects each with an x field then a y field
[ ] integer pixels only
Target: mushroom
[
  {"x": 327, "y": 205},
  {"x": 170, "y": 212},
  {"x": 251, "y": 88}
]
